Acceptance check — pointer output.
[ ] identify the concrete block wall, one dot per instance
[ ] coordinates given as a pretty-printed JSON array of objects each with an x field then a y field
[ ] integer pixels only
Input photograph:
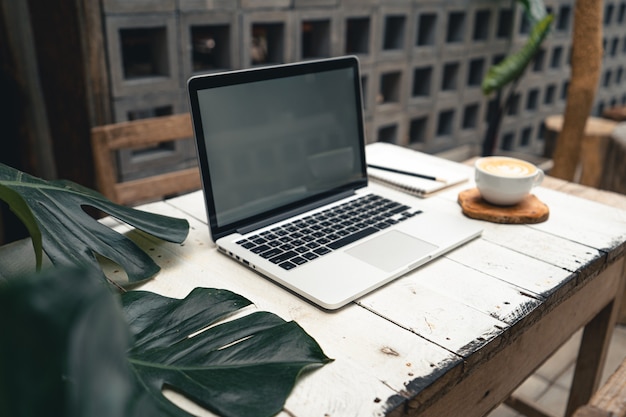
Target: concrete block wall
[{"x": 422, "y": 60}]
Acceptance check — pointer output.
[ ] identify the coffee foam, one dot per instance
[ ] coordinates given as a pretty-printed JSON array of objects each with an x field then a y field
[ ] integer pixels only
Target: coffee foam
[{"x": 507, "y": 167}]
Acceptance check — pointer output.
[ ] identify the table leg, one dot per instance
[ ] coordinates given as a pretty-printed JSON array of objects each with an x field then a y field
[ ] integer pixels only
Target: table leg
[{"x": 592, "y": 352}]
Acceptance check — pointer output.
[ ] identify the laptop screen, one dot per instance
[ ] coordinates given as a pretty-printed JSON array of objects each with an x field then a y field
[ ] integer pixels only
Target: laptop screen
[{"x": 271, "y": 139}]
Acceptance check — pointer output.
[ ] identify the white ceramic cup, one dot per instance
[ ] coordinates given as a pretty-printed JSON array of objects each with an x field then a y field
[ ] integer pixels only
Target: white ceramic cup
[{"x": 506, "y": 181}]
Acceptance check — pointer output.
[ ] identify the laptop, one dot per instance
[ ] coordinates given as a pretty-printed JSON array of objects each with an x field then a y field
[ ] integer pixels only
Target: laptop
[{"x": 282, "y": 156}]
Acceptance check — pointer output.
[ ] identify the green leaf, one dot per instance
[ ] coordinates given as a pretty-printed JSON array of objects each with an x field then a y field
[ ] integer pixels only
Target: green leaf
[
  {"x": 241, "y": 367},
  {"x": 63, "y": 347},
  {"x": 66, "y": 350},
  {"x": 534, "y": 9},
  {"x": 514, "y": 65},
  {"x": 53, "y": 214}
]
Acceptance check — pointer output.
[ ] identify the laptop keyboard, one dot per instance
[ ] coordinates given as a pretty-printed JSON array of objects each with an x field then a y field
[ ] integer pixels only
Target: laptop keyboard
[{"x": 293, "y": 244}]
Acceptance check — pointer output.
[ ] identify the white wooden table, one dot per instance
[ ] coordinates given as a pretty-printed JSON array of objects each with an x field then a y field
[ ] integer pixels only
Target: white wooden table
[{"x": 453, "y": 338}]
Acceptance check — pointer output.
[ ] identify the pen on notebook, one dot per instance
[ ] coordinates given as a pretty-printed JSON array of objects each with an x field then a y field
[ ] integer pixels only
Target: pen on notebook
[{"x": 412, "y": 174}]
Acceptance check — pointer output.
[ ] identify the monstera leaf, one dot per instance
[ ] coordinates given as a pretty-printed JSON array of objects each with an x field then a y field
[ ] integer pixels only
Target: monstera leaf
[
  {"x": 68, "y": 349},
  {"x": 52, "y": 211},
  {"x": 242, "y": 367}
]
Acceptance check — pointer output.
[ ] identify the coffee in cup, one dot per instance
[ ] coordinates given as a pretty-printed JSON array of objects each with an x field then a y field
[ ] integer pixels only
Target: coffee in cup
[{"x": 506, "y": 181}]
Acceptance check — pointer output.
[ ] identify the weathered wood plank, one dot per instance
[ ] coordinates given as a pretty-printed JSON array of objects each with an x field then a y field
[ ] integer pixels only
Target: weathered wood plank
[
  {"x": 494, "y": 297},
  {"x": 386, "y": 354},
  {"x": 533, "y": 275},
  {"x": 491, "y": 378},
  {"x": 438, "y": 337},
  {"x": 436, "y": 317},
  {"x": 591, "y": 223},
  {"x": 549, "y": 248}
]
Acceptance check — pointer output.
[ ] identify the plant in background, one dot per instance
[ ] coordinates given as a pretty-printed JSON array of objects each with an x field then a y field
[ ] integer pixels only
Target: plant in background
[
  {"x": 510, "y": 70},
  {"x": 70, "y": 346}
]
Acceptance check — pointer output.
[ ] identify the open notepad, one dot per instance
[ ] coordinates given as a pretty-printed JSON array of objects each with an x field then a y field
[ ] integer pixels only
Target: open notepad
[{"x": 443, "y": 173}]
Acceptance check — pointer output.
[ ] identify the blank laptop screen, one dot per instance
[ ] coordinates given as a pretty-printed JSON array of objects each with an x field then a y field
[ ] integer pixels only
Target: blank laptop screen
[{"x": 272, "y": 142}]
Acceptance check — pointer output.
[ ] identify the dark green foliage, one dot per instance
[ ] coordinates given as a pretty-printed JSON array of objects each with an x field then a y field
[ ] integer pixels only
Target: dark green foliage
[
  {"x": 68, "y": 348},
  {"x": 52, "y": 211},
  {"x": 514, "y": 65}
]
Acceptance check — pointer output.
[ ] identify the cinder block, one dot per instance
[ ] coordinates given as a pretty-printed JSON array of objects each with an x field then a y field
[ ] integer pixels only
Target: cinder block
[
  {"x": 265, "y": 4},
  {"x": 206, "y": 5},
  {"x": 427, "y": 38},
  {"x": 143, "y": 53},
  {"x": 446, "y": 118},
  {"x": 391, "y": 85},
  {"x": 315, "y": 3},
  {"x": 357, "y": 34},
  {"x": 138, "y": 6},
  {"x": 391, "y": 128},
  {"x": 316, "y": 34},
  {"x": 266, "y": 38},
  {"x": 425, "y": 77},
  {"x": 350, "y": 3},
  {"x": 420, "y": 128},
  {"x": 393, "y": 33},
  {"x": 422, "y": 61},
  {"x": 209, "y": 41}
]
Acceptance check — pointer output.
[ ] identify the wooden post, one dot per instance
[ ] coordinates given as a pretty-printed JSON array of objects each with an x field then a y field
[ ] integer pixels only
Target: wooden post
[{"x": 585, "y": 63}]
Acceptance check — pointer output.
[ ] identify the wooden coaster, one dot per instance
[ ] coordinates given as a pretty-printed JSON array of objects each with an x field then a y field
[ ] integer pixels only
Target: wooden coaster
[{"x": 528, "y": 211}]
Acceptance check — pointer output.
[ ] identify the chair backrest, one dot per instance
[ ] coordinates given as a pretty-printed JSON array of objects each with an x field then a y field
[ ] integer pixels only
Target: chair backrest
[{"x": 108, "y": 139}]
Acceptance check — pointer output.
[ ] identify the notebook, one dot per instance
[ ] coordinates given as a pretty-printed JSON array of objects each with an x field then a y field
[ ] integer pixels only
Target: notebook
[
  {"x": 412, "y": 171},
  {"x": 281, "y": 151}
]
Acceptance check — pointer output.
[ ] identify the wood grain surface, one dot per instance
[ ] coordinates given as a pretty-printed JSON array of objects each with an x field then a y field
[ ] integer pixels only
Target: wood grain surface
[{"x": 528, "y": 211}]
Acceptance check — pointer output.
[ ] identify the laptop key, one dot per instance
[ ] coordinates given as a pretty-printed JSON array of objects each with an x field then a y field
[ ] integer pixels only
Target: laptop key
[
  {"x": 271, "y": 253},
  {"x": 283, "y": 257},
  {"x": 260, "y": 249},
  {"x": 287, "y": 265},
  {"x": 352, "y": 238},
  {"x": 322, "y": 250},
  {"x": 399, "y": 209},
  {"x": 298, "y": 260},
  {"x": 310, "y": 256},
  {"x": 247, "y": 244}
]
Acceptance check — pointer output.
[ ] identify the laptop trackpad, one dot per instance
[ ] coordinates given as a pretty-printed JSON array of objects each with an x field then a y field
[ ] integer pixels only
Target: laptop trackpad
[{"x": 392, "y": 250}]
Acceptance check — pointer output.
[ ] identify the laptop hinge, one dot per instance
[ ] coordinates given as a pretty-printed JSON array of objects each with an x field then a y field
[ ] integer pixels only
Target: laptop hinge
[{"x": 291, "y": 213}]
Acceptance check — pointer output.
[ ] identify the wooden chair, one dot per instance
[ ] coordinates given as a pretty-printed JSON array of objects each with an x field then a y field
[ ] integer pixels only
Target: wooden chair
[
  {"x": 107, "y": 139},
  {"x": 610, "y": 399}
]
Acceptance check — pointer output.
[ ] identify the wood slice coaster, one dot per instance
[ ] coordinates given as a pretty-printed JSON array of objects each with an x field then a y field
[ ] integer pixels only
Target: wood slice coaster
[{"x": 528, "y": 211}]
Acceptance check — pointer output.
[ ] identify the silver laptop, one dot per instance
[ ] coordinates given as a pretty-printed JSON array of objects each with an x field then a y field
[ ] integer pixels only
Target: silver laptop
[{"x": 282, "y": 157}]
